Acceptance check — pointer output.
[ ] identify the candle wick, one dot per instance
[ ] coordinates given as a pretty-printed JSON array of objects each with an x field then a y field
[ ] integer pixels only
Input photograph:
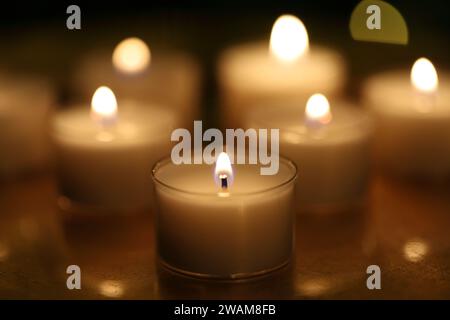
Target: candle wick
[{"x": 223, "y": 181}]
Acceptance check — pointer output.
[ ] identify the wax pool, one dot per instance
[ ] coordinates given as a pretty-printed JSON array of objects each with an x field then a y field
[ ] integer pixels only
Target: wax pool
[
  {"x": 107, "y": 169},
  {"x": 332, "y": 159},
  {"x": 204, "y": 232}
]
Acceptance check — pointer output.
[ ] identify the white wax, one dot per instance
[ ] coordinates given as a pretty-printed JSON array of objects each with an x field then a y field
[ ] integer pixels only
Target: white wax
[
  {"x": 24, "y": 107},
  {"x": 172, "y": 80},
  {"x": 249, "y": 77},
  {"x": 332, "y": 160},
  {"x": 412, "y": 129},
  {"x": 202, "y": 233},
  {"x": 109, "y": 168}
]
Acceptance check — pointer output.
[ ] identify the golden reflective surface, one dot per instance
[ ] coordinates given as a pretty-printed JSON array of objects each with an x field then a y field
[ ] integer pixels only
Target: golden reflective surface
[
  {"x": 415, "y": 250},
  {"x": 404, "y": 229}
]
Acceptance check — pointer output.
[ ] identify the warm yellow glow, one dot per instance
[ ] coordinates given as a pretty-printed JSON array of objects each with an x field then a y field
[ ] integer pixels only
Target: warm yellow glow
[
  {"x": 111, "y": 289},
  {"x": 318, "y": 109},
  {"x": 424, "y": 76},
  {"x": 131, "y": 55},
  {"x": 313, "y": 287},
  {"x": 415, "y": 250},
  {"x": 289, "y": 39},
  {"x": 104, "y": 106},
  {"x": 223, "y": 170},
  {"x": 4, "y": 252}
]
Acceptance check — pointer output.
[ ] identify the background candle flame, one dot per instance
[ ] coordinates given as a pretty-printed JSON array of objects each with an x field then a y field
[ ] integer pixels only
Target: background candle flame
[
  {"x": 104, "y": 106},
  {"x": 318, "y": 109},
  {"x": 223, "y": 167},
  {"x": 131, "y": 55},
  {"x": 289, "y": 38},
  {"x": 424, "y": 76}
]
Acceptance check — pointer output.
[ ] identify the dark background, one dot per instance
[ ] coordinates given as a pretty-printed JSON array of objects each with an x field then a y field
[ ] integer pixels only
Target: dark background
[{"x": 35, "y": 38}]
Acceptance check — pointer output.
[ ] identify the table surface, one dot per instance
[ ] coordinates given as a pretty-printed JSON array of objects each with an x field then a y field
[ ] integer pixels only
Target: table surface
[{"x": 404, "y": 229}]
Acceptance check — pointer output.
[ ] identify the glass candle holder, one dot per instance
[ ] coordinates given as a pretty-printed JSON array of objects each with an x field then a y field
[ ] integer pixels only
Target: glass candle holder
[
  {"x": 334, "y": 157},
  {"x": 105, "y": 171},
  {"x": 204, "y": 231}
]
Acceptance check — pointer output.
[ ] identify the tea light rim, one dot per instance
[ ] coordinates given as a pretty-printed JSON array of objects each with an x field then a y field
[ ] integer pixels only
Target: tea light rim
[
  {"x": 60, "y": 130},
  {"x": 364, "y": 119},
  {"x": 256, "y": 45},
  {"x": 166, "y": 160},
  {"x": 400, "y": 82},
  {"x": 403, "y": 75},
  {"x": 232, "y": 56}
]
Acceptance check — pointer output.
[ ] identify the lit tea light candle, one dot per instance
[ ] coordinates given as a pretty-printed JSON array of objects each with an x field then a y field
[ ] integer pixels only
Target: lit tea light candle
[
  {"x": 287, "y": 68},
  {"x": 134, "y": 72},
  {"x": 329, "y": 145},
  {"x": 224, "y": 226},
  {"x": 104, "y": 155},
  {"x": 412, "y": 112},
  {"x": 25, "y": 104}
]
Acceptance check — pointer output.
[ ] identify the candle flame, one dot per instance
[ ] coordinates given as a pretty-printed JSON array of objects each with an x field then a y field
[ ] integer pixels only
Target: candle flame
[
  {"x": 131, "y": 55},
  {"x": 223, "y": 172},
  {"x": 104, "y": 106},
  {"x": 289, "y": 38},
  {"x": 424, "y": 76},
  {"x": 318, "y": 109}
]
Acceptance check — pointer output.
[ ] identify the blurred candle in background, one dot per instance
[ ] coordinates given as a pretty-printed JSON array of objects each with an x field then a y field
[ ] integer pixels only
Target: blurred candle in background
[
  {"x": 25, "y": 103},
  {"x": 211, "y": 224},
  {"x": 131, "y": 56},
  {"x": 105, "y": 156},
  {"x": 329, "y": 145},
  {"x": 132, "y": 70},
  {"x": 412, "y": 112},
  {"x": 287, "y": 68}
]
